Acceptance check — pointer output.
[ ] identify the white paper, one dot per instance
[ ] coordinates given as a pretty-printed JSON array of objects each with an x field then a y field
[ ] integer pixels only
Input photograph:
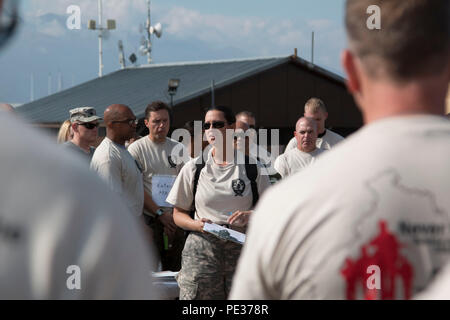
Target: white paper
[
  {"x": 161, "y": 186},
  {"x": 224, "y": 233}
]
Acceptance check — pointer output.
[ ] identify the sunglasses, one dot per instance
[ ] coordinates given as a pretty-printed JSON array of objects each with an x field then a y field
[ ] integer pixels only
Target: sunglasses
[
  {"x": 130, "y": 122},
  {"x": 214, "y": 124},
  {"x": 89, "y": 126}
]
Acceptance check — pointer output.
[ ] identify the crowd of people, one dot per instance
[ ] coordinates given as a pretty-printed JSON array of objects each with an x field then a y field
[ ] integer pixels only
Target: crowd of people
[{"x": 318, "y": 218}]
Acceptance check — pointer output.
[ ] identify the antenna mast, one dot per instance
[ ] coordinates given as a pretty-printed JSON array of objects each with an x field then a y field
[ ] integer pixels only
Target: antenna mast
[
  {"x": 146, "y": 42},
  {"x": 110, "y": 25},
  {"x": 149, "y": 42}
]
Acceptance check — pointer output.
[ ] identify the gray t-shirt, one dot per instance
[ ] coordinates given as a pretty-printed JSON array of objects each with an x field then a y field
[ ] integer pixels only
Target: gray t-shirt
[
  {"x": 115, "y": 165},
  {"x": 295, "y": 160},
  {"x": 74, "y": 147}
]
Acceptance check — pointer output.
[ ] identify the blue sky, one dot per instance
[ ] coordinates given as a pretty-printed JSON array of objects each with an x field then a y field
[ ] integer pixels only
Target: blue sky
[{"x": 192, "y": 31}]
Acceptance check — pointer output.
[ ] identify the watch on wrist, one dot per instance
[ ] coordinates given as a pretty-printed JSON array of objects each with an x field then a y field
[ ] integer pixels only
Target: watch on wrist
[{"x": 159, "y": 212}]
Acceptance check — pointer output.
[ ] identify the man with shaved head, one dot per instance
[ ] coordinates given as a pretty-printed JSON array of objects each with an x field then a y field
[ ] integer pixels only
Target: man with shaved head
[
  {"x": 326, "y": 139},
  {"x": 306, "y": 151},
  {"x": 114, "y": 163}
]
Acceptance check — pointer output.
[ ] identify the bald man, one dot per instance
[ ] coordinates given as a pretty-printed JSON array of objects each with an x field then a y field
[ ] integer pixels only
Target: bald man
[
  {"x": 326, "y": 139},
  {"x": 306, "y": 151},
  {"x": 114, "y": 163}
]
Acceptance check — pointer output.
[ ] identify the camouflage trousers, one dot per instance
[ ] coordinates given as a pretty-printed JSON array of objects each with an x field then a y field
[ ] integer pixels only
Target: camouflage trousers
[{"x": 207, "y": 267}]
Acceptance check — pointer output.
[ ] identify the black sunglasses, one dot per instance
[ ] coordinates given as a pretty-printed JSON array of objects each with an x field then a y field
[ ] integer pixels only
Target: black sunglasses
[
  {"x": 214, "y": 124},
  {"x": 89, "y": 126}
]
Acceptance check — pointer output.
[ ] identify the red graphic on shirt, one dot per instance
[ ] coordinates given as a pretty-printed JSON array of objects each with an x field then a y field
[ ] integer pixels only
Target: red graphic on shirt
[{"x": 387, "y": 257}]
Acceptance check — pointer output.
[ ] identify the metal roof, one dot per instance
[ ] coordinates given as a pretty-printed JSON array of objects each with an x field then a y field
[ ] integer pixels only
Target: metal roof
[{"x": 136, "y": 87}]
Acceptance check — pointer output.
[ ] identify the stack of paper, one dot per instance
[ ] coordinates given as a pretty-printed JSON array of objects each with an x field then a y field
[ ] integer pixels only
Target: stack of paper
[{"x": 224, "y": 233}]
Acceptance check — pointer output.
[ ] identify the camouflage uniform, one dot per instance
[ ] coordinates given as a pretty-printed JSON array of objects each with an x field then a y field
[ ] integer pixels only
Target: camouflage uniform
[{"x": 208, "y": 265}]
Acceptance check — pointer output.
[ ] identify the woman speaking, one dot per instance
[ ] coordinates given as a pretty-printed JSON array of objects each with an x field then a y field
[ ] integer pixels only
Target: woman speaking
[{"x": 225, "y": 192}]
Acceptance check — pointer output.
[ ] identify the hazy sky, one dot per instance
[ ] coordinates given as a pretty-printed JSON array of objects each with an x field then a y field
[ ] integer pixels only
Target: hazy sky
[{"x": 192, "y": 31}]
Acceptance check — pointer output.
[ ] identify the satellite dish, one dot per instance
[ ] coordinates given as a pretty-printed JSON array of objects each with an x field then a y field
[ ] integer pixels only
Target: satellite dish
[{"x": 157, "y": 30}]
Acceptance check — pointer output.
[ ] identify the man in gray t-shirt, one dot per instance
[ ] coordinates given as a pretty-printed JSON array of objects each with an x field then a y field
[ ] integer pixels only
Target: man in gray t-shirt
[
  {"x": 71, "y": 145},
  {"x": 85, "y": 130}
]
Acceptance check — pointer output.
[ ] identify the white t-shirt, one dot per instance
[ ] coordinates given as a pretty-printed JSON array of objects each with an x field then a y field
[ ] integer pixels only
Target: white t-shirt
[
  {"x": 156, "y": 159},
  {"x": 220, "y": 190},
  {"x": 295, "y": 160},
  {"x": 439, "y": 289},
  {"x": 326, "y": 142},
  {"x": 368, "y": 202},
  {"x": 265, "y": 158},
  {"x": 121, "y": 172},
  {"x": 54, "y": 214}
]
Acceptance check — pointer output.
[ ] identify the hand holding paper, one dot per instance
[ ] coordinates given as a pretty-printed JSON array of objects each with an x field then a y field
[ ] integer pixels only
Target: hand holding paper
[
  {"x": 239, "y": 218},
  {"x": 224, "y": 233}
]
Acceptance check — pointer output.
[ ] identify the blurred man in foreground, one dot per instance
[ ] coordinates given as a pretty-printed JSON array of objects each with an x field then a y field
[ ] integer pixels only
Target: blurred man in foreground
[
  {"x": 370, "y": 218},
  {"x": 62, "y": 236}
]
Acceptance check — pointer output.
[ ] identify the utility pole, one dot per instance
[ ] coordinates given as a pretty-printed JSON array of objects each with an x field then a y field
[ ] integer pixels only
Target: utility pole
[
  {"x": 60, "y": 81},
  {"x": 32, "y": 87},
  {"x": 146, "y": 44},
  {"x": 49, "y": 84},
  {"x": 149, "y": 43},
  {"x": 213, "y": 89},
  {"x": 121, "y": 55},
  {"x": 110, "y": 25},
  {"x": 100, "y": 40}
]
